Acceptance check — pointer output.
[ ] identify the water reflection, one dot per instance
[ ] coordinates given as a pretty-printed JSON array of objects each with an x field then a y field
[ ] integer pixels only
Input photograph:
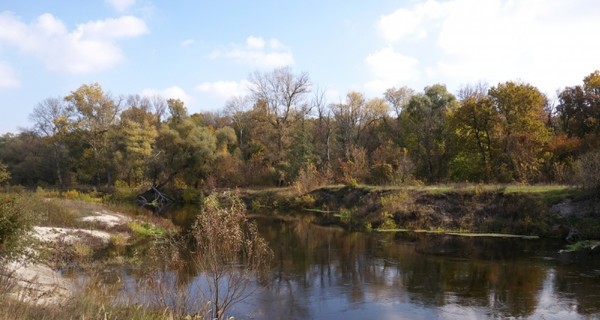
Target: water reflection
[
  {"x": 329, "y": 273},
  {"x": 323, "y": 272}
]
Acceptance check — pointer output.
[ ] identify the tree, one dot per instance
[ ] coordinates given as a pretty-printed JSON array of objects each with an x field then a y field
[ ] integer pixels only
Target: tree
[
  {"x": 323, "y": 129},
  {"x": 524, "y": 133},
  {"x": 398, "y": 99},
  {"x": 283, "y": 95},
  {"x": 237, "y": 110},
  {"x": 349, "y": 119},
  {"x": 474, "y": 124},
  {"x": 26, "y": 158},
  {"x": 53, "y": 121},
  {"x": 229, "y": 251},
  {"x": 425, "y": 121},
  {"x": 136, "y": 141},
  {"x": 96, "y": 114},
  {"x": 185, "y": 149},
  {"x": 578, "y": 111}
]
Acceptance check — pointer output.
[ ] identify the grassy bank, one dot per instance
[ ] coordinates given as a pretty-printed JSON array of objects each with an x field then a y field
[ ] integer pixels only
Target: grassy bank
[{"x": 555, "y": 211}]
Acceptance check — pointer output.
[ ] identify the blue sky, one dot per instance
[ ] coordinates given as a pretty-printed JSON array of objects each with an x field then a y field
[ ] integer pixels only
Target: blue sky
[{"x": 203, "y": 51}]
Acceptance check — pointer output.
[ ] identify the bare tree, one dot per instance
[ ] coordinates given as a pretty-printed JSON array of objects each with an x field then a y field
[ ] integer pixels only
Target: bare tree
[
  {"x": 324, "y": 127},
  {"x": 52, "y": 120},
  {"x": 236, "y": 108},
  {"x": 398, "y": 98},
  {"x": 285, "y": 97}
]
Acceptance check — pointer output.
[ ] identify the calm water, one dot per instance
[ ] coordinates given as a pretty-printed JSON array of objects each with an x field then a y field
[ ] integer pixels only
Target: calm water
[{"x": 329, "y": 273}]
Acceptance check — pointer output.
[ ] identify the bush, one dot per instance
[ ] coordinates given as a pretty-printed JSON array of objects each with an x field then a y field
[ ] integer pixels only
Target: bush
[
  {"x": 310, "y": 178},
  {"x": 229, "y": 250},
  {"x": 588, "y": 170},
  {"x": 123, "y": 192},
  {"x": 4, "y": 174},
  {"x": 16, "y": 219}
]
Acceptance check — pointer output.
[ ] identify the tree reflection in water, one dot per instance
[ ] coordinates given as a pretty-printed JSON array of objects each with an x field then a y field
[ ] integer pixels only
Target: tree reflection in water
[
  {"x": 324, "y": 272},
  {"x": 329, "y": 273}
]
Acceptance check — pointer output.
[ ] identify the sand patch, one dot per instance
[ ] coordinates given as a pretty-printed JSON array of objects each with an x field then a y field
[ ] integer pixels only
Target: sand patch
[
  {"x": 39, "y": 283},
  {"x": 109, "y": 219},
  {"x": 67, "y": 235}
]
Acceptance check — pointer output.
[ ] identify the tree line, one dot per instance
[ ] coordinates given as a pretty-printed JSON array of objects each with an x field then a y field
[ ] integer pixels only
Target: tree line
[{"x": 284, "y": 131}]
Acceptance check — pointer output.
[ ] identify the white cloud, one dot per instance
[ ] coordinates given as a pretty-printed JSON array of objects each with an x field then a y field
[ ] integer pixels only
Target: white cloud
[
  {"x": 546, "y": 43},
  {"x": 8, "y": 78},
  {"x": 121, "y": 5},
  {"x": 224, "y": 89},
  {"x": 259, "y": 53},
  {"x": 187, "y": 42},
  {"x": 91, "y": 47},
  {"x": 255, "y": 42},
  {"x": 410, "y": 22},
  {"x": 390, "y": 68},
  {"x": 173, "y": 92}
]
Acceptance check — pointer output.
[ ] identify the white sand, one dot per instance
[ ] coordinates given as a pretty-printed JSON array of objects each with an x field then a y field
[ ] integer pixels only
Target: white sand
[
  {"x": 40, "y": 284},
  {"x": 67, "y": 235},
  {"x": 109, "y": 219}
]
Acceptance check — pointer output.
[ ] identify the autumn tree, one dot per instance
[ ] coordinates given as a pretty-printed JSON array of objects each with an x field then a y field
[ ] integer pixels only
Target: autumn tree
[
  {"x": 523, "y": 130},
  {"x": 474, "y": 124},
  {"x": 284, "y": 97},
  {"x": 578, "y": 111},
  {"x": 96, "y": 113},
  {"x": 136, "y": 136}
]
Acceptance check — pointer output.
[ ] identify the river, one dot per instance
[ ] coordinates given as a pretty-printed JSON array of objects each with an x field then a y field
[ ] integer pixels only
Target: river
[{"x": 322, "y": 272}]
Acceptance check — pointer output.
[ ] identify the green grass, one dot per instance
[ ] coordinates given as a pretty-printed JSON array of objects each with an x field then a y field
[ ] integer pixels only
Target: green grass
[
  {"x": 145, "y": 229},
  {"x": 583, "y": 245},
  {"x": 550, "y": 194}
]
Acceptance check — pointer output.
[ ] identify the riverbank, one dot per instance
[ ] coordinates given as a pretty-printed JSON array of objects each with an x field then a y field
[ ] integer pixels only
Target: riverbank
[
  {"x": 543, "y": 211},
  {"x": 68, "y": 247}
]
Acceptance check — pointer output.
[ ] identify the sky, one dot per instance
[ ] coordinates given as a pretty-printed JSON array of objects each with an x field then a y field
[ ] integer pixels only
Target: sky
[{"x": 203, "y": 52}]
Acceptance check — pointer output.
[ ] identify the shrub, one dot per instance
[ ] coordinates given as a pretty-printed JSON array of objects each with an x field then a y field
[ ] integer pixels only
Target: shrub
[
  {"x": 16, "y": 219},
  {"x": 145, "y": 229},
  {"x": 588, "y": 170},
  {"x": 71, "y": 194},
  {"x": 4, "y": 174},
  {"x": 308, "y": 179},
  {"x": 123, "y": 192},
  {"x": 229, "y": 250}
]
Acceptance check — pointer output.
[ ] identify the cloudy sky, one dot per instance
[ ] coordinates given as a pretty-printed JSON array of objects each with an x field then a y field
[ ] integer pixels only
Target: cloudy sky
[{"x": 203, "y": 51}]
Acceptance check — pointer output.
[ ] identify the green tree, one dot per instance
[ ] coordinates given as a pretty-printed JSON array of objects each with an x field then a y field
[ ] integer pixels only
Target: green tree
[
  {"x": 523, "y": 130},
  {"x": 136, "y": 140},
  {"x": 96, "y": 113},
  {"x": 26, "y": 157},
  {"x": 424, "y": 119},
  {"x": 474, "y": 124},
  {"x": 186, "y": 149}
]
